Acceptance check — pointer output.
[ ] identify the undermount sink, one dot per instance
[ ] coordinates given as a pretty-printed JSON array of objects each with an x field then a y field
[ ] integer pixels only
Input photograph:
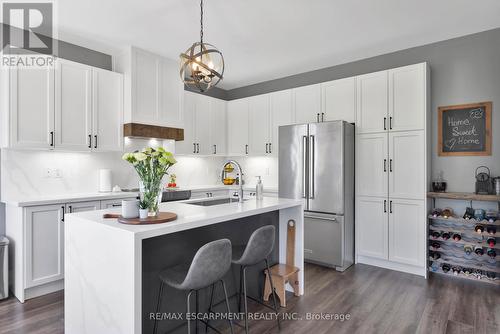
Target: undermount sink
[{"x": 212, "y": 202}]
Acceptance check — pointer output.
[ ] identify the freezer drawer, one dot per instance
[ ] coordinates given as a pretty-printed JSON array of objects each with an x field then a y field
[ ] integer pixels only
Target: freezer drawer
[{"x": 323, "y": 239}]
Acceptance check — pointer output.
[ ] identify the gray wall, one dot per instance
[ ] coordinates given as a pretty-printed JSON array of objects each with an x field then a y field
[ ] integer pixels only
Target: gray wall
[
  {"x": 77, "y": 53},
  {"x": 463, "y": 70}
]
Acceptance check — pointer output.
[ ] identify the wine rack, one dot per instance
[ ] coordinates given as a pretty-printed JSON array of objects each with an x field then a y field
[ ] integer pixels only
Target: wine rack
[{"x": 458, "y": 258}]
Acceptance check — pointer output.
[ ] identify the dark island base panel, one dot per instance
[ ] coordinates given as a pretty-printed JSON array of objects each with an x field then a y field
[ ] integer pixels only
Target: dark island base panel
[{"x": 172, "y": 249}]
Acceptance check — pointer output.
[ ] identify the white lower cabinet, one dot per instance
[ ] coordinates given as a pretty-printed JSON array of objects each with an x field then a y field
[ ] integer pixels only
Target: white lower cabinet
[
  {"x": 372, "y": 227},
  {"x": 37, "y": 245},
  {"x": 44, "y": 258},
  {"x": 407, "y": 231}
]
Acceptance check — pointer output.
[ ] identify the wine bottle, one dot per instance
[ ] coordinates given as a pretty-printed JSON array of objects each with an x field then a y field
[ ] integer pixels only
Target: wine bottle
[
  {"x": 491, "y": 230},
  {"x": 457, "y": 237},
  {"x": 468, "y": 249},
  {"x": 456, "y": 270},
  {"x": 467, "y": 271},
  {"x": 445, "y": 267},
  {"x": 435, "y": 234},
  {"x": 479, "y": 229},
  {"x": 479, "y": 250},
  {"x": 491, "y": 253},
  {"x": 491, "y": 242},
  {"x": 491, "y": 275},
  {"x": 436, "y": 245}
]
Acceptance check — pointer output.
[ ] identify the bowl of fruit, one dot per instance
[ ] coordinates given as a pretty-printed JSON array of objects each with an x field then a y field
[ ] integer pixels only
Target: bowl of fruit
[{"x": 171, "y": 183}]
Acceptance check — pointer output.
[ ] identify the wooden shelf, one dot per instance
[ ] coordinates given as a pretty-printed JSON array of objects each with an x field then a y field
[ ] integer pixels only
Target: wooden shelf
[
  {"x": 465, "y": 221},
  {"x": 472, "y": 278},
  {"x": 453, "y": 262},
  {"x": 464, "y": 196}
]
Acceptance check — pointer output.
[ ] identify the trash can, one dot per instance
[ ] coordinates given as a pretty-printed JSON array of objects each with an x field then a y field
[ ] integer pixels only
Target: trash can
[{"x": 4, "y": 267}]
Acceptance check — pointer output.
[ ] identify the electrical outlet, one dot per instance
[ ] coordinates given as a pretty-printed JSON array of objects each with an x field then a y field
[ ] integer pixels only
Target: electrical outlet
[
  {"x": 48, "y": 173},
  {"x": 57, "y": 173}
]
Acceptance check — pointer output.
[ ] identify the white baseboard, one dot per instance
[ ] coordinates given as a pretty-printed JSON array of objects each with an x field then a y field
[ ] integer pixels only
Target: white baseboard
[{"x": 420, "y": 271}]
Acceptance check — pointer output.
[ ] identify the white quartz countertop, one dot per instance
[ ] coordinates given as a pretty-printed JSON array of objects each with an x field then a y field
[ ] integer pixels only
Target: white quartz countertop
[
  {"x": 188, "y": 216},
  {"x": 69, "y": 198}
]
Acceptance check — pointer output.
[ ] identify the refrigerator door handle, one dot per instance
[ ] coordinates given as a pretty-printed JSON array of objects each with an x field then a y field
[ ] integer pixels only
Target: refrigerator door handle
[
  {"x": 304, "y": 165},
  {"x": 311, "y": 167},
  {"x": 333, "y": 219}
]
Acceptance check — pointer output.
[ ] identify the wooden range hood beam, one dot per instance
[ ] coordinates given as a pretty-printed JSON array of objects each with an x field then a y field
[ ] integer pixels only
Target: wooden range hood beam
[{"x": 152, "y": 131}]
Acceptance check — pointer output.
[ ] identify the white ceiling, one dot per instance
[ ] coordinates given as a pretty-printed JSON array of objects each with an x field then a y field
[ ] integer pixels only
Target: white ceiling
[{"x": 268, "y": 39}]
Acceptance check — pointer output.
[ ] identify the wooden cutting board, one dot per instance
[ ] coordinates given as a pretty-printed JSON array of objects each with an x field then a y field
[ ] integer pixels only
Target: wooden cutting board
[{"x": 163, "y": 217}]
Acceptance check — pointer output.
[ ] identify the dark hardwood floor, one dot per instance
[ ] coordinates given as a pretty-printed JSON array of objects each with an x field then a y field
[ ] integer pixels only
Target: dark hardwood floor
[{"x": 377, "y": 301}]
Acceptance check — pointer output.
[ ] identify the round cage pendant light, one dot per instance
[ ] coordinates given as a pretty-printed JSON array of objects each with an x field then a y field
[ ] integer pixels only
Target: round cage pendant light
[{"x": 202, "y": 65}]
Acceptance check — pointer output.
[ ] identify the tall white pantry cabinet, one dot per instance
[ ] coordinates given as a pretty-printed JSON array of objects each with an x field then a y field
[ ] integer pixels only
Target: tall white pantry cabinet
[{"x": 392, "y": 168}]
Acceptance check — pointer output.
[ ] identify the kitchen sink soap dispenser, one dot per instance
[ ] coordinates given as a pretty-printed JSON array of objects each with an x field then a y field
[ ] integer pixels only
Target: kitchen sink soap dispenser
[{"x": 259, "y": 189}]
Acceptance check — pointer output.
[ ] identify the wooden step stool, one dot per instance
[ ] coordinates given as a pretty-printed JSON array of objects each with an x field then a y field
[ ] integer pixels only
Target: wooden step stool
[{"x": 284, "y": 273}]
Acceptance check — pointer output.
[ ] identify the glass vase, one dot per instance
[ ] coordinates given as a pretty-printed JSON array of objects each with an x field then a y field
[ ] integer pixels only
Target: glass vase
[{"x": 151, "y": 194}]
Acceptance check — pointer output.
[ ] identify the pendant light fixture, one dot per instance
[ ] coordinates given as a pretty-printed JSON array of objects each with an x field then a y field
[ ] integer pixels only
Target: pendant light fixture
[{"x": 202, "y": 65}]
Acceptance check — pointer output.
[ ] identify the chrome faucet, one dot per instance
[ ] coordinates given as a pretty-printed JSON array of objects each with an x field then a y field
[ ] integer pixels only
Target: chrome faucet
[{"x": 238, "y": 168}]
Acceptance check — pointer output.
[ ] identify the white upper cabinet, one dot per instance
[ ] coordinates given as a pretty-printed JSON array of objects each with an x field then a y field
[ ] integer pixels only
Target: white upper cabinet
[
  {"x": 30, "y": 94},
  {"x": 372, "y": 102},
  {"x": 218, "y": 126},
  {"x": 154, "y": 91},
  {"x": 372, "y": 163},
  {"x": 307, "y": 104},
  {"x": 144, "y": 86},
  {"x": 259, "y": 124},
  {"x": 73, "y": 106},
  {"x": 202, "y": 125},
  {"x": 406, "y": 160},
  {"x": 171, "y": 93},
  {"x": 188, "y": 145},
  {"x": 407, "y": 97},
  {"x": 339, "y": 100},
  {"x": 107, "y": 111},
  {"x": 237, "y": 127},
  {"x": 281, "y": 114}
]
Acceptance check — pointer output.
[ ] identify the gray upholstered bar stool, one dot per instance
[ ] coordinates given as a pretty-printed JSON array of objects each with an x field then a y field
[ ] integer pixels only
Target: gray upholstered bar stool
[
  {"x": 210, "y": 263},
  {"x": 257, "y": 250}
]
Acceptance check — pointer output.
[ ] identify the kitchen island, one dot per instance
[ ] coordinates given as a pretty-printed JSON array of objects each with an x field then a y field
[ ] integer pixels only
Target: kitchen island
[{"x": 111, "y": 269}]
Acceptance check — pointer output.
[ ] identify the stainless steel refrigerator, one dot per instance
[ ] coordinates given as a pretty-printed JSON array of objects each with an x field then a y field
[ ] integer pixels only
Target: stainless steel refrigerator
[{"x": 316, "y": 164}]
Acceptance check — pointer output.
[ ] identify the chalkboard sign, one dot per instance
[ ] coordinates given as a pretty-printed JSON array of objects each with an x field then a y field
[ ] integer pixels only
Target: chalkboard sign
[{"x": 465, "y": 129}]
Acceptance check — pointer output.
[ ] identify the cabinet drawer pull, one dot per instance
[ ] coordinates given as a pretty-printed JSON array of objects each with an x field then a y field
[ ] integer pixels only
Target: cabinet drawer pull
[
  {"x": 215, "y": 149},
  {"x": 63, "y": 213}
]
